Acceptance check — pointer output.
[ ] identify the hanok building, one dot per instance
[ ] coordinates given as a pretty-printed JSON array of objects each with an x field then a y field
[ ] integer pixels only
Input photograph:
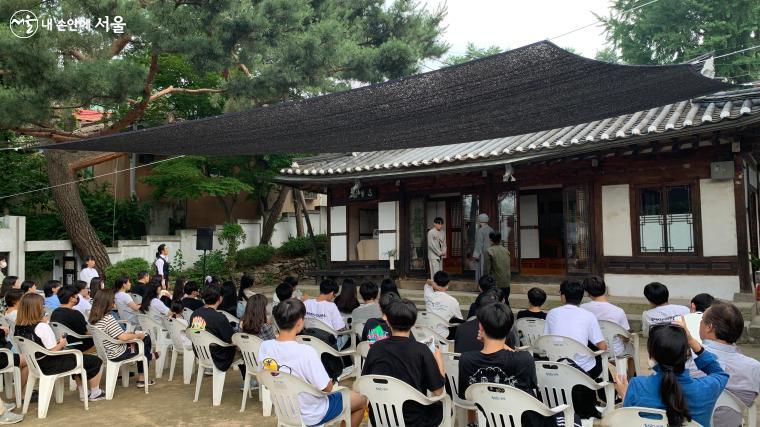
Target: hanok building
[{"x": 669, "y": 194}]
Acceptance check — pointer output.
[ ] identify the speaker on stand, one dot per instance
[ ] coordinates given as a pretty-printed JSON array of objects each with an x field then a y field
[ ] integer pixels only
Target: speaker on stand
[{"x": 204, "y": 241}]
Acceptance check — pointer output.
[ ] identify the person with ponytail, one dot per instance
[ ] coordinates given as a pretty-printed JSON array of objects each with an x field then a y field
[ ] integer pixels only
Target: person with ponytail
[
  {"x": 671, "y": 387},
  {"x": 162, "y": 263}
]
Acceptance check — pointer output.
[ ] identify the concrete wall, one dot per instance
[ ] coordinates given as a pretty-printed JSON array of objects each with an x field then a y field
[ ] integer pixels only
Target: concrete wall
[
  {"x": 680, "y": 286},
  {"x": 13, "y": 241},
  {"x": 616, "y": 220}
]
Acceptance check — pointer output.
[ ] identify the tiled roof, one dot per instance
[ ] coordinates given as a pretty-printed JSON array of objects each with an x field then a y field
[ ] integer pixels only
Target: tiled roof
[{"x": 643, "y": 124}]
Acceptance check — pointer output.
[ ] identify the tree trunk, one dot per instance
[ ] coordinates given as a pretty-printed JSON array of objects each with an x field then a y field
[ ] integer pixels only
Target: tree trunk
[
  {"x": 71, "y": 209},
  {"x": 274, "y": 216},
  {"x": 297, "y": 196}
]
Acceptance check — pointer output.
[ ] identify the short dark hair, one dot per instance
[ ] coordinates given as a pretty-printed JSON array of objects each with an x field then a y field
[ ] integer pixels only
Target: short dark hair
[
  {"x": 190, "y": 287},
  {"x": 66, "y": 292},
  {"x": 80, "y": 284},
  {"x": 595, "y": 286},
  {"x": 141, "y": 275},
  {"x": 486, "y": 282},
  {"x": 495, "y": 236},
  {"x": 287, "y": 313},
  {"x": 702, "y": 301},
  {"x": 368, "y": 290},
  {"x": 13, "y": 296},
  {"x": 291, "y": 280},
  {"x": 284, "y": 291},
  {"x": 441, "y": 278},
  {"x": 496, "y": 319},
  {"x": 656, "y": 293},
  {"x": 210, "y": 295},
  {"x": 489, "y": 297},
  {"x": 401, "y": 315},
  {"x": 49, "y": 286},
  {"x": 27, "y": 284},
  {"x": 536, "y": 297},
  {"x": 388, "y": 285},
  {"x": 438, "y": 220},
  {"x": 120, "y": 282},
  {"x": 89, "y": 258},
  {"x": 726, "y": 319},
  {"x": 572, "y": 289},
  {"x": 328, "y": 286},
  {"x": 386, "y": 301}
]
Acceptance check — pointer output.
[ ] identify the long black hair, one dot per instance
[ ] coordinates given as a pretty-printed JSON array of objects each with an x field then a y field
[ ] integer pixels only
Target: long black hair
[
  {"x": 179, "y": 289},
  {"x": 160, "y": 250},
  {"x": 151, "y": 292},
  {"x": 255, "y": 315},
  {"x": 346, "y": 300},
  {"x": 245, "y": 282},
  {"x": 668, "y": 346}
]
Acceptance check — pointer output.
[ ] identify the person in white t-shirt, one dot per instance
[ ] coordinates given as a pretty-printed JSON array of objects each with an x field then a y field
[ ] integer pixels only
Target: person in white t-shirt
[
  {"x": 324, "y": 309},
  {"x": 604, "y": 310},
  {"x": 89, "y": 272},
  {"x": 285, "y": 354},
  {"x": 439, "y": 302},
  {"x": 662, "y": 312},
  {"x": 124, "y": 302}
]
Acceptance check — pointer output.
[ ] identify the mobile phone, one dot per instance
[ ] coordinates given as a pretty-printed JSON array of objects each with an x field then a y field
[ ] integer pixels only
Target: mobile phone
[{"x": 430, "y": 343}]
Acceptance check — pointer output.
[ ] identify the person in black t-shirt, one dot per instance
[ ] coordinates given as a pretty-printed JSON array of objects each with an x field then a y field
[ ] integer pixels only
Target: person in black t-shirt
[
  {"x": 70, "y": 318},
  {"x": 412, "y": 362},
  {"x": 190, "y": 300},
  {"x": 466, "y": 338},
  {"x": 143, "y": 278},
  {"x": 208, "y": 319},
  {"x": 536, "y": 298}
]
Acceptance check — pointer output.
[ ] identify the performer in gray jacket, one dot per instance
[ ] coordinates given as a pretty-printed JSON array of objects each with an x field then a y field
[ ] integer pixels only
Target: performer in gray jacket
[
  {"x": 482, "y": 243},
  {"x": 436, "y": 239}
]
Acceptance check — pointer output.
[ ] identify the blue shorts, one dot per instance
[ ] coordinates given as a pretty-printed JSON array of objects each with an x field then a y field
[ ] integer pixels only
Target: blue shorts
[{"x": 334, "y": 407}]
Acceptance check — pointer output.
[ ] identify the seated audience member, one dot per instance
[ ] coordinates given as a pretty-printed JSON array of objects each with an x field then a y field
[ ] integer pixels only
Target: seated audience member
[
  {"x": 229, "y": 297},
  {"x": 51, "y": 294},
  {"x": 151, "y": 304},
  {"x": 245, "y": 292},
  {"x": 661, "y": 312},
  {"x": 32, "y": 326},
  {"x": 485, "y": 283},
  {"x": 439, "y": 302},
  {"x": 179, "y": 289},
  {"x": 467, "y": 334},
  {"x": 346, "y": 300},
  {"x": 377, "y": 329},
  {"x": 101, "y": 317},
  {"x": 29, "y": 286},
  {"x": 370, "y": 309},
  {"x": 125, "y": 305},
  {"x": 282, "y": 292},
  {"x": 287, "y": 355},
  {"x": 388, "y": 285},
  {"x": 402, "y": 357},
  {"x": 670, "y": 387},
  {"x": 536, "y": 298},
  {"x": 323, "y": 308},
  {"x": 571, "y": 321},
  {"x": 722, "y": 325},
  {"x": 190, "y": 299},
  {"x": 297, "y": 294},
  {"x": 177, "y": 315},
  {"x": 701, "y": 302},
  {"x": 254, "y": 320},
  {"x": 67, "y": 316},
  {"x": 208, "y": 319},
  {"x": 143, "y": 278},
  {"x": 604, "y": 310},
  {"x": 96, "y": 284},
  {"x": 496, "y": 362},
  {"x": 12, "y": 299},
  {"x": 83, "y": 305}
]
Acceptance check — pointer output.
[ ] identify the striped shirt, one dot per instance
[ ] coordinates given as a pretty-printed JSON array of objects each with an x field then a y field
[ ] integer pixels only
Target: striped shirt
[{"x": 109, "y": 325}]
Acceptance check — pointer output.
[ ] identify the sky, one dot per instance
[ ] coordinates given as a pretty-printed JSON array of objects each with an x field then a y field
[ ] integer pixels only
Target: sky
[{"x": 512, "y": 23}]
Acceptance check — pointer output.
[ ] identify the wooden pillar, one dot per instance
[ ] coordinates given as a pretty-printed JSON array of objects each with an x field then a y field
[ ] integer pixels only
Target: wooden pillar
[{"x": 745, "y": 281}]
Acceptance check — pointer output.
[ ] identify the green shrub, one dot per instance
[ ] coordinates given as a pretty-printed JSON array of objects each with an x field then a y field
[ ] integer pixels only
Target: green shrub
[
  {"x": 128, "y": 267},
  {"x": 300, "y": 246},
  {"x": 215, "y": 265},
  {"x": 254, "y": 256}
]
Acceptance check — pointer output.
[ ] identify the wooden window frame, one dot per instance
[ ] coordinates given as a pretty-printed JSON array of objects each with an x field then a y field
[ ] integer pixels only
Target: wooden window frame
[{"x": 635, "y": 203}]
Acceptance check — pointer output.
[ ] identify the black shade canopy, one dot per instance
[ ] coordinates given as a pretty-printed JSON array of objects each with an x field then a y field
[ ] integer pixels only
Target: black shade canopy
[{"x": 535, "y": 87}]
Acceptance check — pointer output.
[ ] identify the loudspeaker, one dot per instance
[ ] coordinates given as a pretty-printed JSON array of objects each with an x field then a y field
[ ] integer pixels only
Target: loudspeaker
[{"x": 205, "y": 239}]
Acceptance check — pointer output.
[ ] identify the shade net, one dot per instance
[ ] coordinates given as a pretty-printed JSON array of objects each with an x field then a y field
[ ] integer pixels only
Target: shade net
[{"x": 532, "y": 88}]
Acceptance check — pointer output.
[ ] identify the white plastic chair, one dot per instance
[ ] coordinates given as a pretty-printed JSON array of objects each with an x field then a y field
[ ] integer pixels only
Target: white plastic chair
[
  {"x": 176, "y": 330},
  {"x": 556, "y": 381},
  {"x": 423, "y": 333},
  {"x": 160, "y": 336},
  {"x": 729, "y": 400},
  {"x": 114, "y": 368},
  {"x": 187, "y": 314},
  {"x": 286, "y": 388},
  {"x": 387, "y": 395},
  {"x": 692, "y": 321},
  {"x": 323, "y": 348},
  {"x": 633, "y": 416},
  {"x": 610, "y": 330},
  {"x": 48, "y": 383},
  {"x": 529, "y": 329},
  {"x": 362, "y": 349},
  {"x": 58, "y": 330},
  {"x": 230, "y": 318},
  {"x": 137, "y": 298},
  {"x": 503, "y": 405},
  {"x": 433, "y": 321},
  {"x": 125, "y": 313},
  {"x": 557, "y": 347},
  {"x": 249, "y": 346},
  {"x": 202, "y": 342},
  {"x": 461, "y": 406},
  {"x": 12, "y": 375},
  {"x": 311, "y": 322}
]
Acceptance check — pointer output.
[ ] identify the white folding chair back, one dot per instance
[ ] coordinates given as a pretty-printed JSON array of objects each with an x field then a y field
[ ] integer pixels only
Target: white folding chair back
[
  {"x": 503, "y": 405},
  {"x": 423, "y": 333},
  {"x": 126, "y": 315},
  {"x": 529, "y": 329},
  {"x": 729, "y": 400},
  {"x": 137, "y": 298},
  {"x": 249, "y": 346},
  {"x": 633, "y": 416},
  {"x": 187, "y": 314},
  {"x": 557, "y": 347},
  {"x": 461, "y": 406},
  {"x": 433, "y": 321},
  {"x": 202, "y": 342},
  {"x": 387, "y": 395},
  {"x": 176, "y": 332},
  {"x": 612, "y": 330},
  {"x": 311, "y": 322},
  {"x": 48, "y": 383},
  {"x": 692, "y": 321},
  {"x": 114, "y": 368},
  {"x": 60, "y": 328},
  {"x": 160, "y": 337},
  {"x": 230, "y": 318},
  {"x": 362, "y": 349},
  {"x": 556, "y": 381},
  {"x": 323, "y": 348},
  {"x": 285, "y": 390},
  {"x": 11, "y": 376}
]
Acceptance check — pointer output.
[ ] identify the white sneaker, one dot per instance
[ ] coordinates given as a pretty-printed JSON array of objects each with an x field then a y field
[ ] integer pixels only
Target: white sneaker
[
  {"x": 9, "y": 417},
  {"x": 9, "y": 406}
]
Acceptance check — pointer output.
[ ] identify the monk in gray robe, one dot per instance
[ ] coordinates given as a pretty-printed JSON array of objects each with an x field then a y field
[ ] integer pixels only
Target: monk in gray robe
[
  {"x": 482, "y": 243},
  {"x": 436, "y": 239}
]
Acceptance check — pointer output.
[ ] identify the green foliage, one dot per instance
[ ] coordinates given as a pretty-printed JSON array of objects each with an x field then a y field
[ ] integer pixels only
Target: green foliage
[
  {"x": 131, "y": 215},
  {"x": 178, "y": 261},
  {"x": 473, "y": 52},
  {"x": 296, "y": 246},
  {"x": 215, "y": 265},
  {"x": 128, "y": 267},
  {"x": 607, "y": 54},
  {"x": 255, "y": 256},
  {"x": 232, "y": 236},
  {"x": 678, "y": 30},
  {"x": 37, "y": 264}
]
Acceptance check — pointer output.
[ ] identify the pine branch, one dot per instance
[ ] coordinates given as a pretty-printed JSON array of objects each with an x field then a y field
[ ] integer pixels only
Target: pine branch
[
  {"x": 172, "y": 89},
  {"x": 48, "y": 133},
  {"x": 78, "y": 55},
  {"x": 119, "y": 44}
]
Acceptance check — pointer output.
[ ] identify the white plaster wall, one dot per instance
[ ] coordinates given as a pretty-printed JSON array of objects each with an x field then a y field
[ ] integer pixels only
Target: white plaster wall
[
  {"x": 616, "y": 220},
  {"x": 718, "y": 217},
  {"x": 632, "y": 285}
]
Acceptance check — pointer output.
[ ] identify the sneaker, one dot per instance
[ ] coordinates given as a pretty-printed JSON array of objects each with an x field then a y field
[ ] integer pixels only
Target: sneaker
[
  {"x": 141, "y": 384},
  {"x": 9, "y": 406},
  {"x": 99, "y": 396},
  {"x": 9, "y": 417}
]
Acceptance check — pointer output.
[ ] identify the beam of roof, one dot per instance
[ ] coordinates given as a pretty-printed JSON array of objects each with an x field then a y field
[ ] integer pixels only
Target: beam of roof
[{"x": 532, "y": 88}]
